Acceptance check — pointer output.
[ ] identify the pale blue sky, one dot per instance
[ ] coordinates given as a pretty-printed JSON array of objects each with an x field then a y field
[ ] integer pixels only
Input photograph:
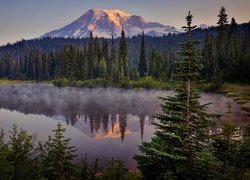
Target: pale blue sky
[{"x": 26, "y": 19}]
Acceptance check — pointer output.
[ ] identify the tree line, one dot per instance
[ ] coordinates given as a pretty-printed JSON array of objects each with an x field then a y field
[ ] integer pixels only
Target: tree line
[{"x": 225, "y": 56}]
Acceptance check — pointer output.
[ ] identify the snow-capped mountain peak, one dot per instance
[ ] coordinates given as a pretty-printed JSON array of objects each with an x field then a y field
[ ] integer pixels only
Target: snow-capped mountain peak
[
  {"x": 107, "y": 22},
  {"x": 203, "y": 26}
]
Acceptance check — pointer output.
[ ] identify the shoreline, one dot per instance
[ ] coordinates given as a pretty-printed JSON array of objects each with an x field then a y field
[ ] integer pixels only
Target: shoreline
[{"x": 239, "y": 92}]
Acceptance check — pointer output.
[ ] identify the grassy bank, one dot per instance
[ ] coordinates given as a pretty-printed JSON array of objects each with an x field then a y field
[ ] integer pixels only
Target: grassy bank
[
  {"x": 7, "y": 81},
  {"x": 240, "y": 92},
  {"x": 146, "y": 83}
]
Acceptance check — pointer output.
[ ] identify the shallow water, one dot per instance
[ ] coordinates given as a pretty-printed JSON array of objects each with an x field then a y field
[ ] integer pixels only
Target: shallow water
[{"x": 102, "y": 122}]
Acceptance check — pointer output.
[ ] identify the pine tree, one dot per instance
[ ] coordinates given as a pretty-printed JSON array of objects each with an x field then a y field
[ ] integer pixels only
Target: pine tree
[
  {"x": 105, "y": 50},
  {"x": 221, "y": 39},
  {"x": 142, "y": 65},
  {"x": 180, "y": 138},
  {"x": 97, "y": 57},
  {"x": 152, "y": 63},
  {"x": 226, "y": 146},
  {"x": 71, "y": 63},
  {"x": 243, "y": 157},
  {"x": 59, "y": 156},
  {"x": 103, "y": 70},
  {"x": 91, "y": 56},
  {"x": 123, "y": 59},
  {"x": 112, "y": 62},
  {"x": 85, "y": 64},
  {"x": 232, "y": 52}
]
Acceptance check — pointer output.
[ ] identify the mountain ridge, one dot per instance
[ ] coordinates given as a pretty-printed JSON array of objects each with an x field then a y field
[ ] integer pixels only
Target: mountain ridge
[{"x": 108, "y": 22}]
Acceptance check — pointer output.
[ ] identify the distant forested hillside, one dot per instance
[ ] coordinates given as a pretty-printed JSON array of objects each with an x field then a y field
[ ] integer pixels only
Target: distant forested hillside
[{"x": 225, "y": 54}]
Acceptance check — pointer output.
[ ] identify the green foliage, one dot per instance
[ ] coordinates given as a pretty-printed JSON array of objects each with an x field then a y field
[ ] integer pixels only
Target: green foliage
[
  {"x": 243, "y": 158},
  {"x": 6, "y": 168},
  {"x": 16, "y": 155},
  {"x": 226, "y": 145},
  {"x": 103, "y": 69},
  {"x": 148, "y": 83},
  {"x": 58, "y": 156},
  {"x": 180, "y": 140},
  {"x": 20, "y": 159},
  {"x": 115, "y": 170},
  {"x": 142, "y": 65}
]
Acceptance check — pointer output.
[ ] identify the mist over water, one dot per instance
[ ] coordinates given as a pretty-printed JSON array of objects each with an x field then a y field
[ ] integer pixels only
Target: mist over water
[{"x": 102, "y": 122}]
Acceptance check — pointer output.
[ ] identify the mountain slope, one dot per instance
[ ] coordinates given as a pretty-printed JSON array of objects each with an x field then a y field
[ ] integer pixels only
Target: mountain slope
[{"x": 104, "y": 23}]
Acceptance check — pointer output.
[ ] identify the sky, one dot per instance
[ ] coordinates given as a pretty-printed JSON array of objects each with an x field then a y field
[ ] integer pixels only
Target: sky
[{"x": 27, "y": 19}]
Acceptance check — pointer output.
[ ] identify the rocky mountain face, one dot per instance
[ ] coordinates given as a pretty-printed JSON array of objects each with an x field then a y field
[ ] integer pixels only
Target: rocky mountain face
[{"x": 105, "y": 23}]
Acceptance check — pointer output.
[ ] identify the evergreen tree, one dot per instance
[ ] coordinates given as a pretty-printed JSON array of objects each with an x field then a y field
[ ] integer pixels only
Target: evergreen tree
[
  {"x": 123, "y": 59},
  {"x": 85, "y": 64},
  {"x": 19, "y": 154},
  {"x": 58, "y": 156},
  {"x": 152, "y": 63},
  {"x": 112, "y": 61},
  {"x": 142, "y": 65},
  {"x": 244, "y": 62},
  {"x": 221, "y": 39},
  {"x": 113, "y": 51},
  {"x": 91, "y": 56},
  {"x": 243, "y": 157},
  {"x": 103, "y": 70},
  {"x": 232, "y": 52},
  {"x": 105, "y": 50},
  {"x": 180, "y": 138},
  {"x": 71, "y": 63},
  {"x": 97, "y": 57}
]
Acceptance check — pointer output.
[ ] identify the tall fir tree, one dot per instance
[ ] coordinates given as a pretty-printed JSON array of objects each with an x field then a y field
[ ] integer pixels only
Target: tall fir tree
[
  {"x": 152, "y": 64},
  {"x": 112, "y": 62},
  {"x": 232, "y": 53},
  {"x": 142, "y": 65},
  {"x": 91, "y": 56},
  {"x": 177, "y": 149},
  {"x": 221, "y": 39},
  {"x": 123, "y": 59},
  {"x": 58, "y": 156}
]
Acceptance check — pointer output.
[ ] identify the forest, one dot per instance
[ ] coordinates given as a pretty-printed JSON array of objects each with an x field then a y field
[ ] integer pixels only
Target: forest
[
  {"x": 225, "y": 54},
  {"x": 183, "y": 145}
]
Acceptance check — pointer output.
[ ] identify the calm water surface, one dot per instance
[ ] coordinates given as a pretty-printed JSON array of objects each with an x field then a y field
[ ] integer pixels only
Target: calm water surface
[{"x": 102, "y": 122}]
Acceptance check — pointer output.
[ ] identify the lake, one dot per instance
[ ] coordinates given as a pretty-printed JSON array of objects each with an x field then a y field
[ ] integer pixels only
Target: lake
[{"x": 102, "y": 122}]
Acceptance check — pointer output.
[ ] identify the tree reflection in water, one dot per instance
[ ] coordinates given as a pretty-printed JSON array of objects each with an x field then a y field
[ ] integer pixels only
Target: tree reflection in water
[{"x": 106, "y": 110}]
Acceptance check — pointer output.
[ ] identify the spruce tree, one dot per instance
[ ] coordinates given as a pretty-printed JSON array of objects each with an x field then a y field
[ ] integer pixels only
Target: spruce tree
[
  {"x": 112, "y": 62},
  {"x": 105, "y": 50},
  {"x": 232, "y": 52},
  {"x": 123, "y": 59},
  {"x": 152, "y": 63},
  {"x": 91, "y": 56},
  {"x": 59, "y": 156},
  {"x": 243, "y": 158},
  {"x": 221, "y": 40},
  {"x": 103, "y": 70},
  {"x": 113, "y": 51},
  {"x": 142, "y": 65},
  {"x": 71, "y": 63},
  {"x": 85, "y": 64},
  {"x": 176, "y": 150}
]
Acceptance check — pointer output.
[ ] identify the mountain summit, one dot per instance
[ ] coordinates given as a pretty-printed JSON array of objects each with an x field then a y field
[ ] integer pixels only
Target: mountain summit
[{"x": 104, "y": 23}]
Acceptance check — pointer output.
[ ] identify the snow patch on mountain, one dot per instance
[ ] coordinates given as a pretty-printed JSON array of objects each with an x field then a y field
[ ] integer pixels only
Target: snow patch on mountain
[{"x": 105, "y": 23}]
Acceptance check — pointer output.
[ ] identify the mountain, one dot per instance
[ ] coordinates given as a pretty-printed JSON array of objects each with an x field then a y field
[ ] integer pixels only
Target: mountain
[
  {"x": 104, "y": 23},
  {"x": 203, "y": 26}
]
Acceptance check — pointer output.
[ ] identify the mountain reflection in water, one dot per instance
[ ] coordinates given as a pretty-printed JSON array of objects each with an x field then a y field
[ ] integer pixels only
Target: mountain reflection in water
[{"x": 102, "y": 122}]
